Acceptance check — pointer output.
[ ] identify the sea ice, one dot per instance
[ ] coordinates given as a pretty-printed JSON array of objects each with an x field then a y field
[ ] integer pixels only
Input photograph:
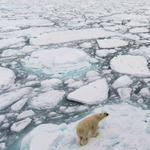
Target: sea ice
[
  {"x": 123, "y": 81},
  {"x": 47, "y": 100},
  {"x": 92, "y": 75},
  {"x": 145, "y": 35},
  {"x": 111, "y": 43},
  {"x": 134, "y": 65},
  {"x": 70, "y": 35},
  {"x": 2, "y": 118},
  {"x": 86, "y": 45},
  {"x": 92, "y": 93},
  {"x": 26, "y": 114},
  {"x": 20, "y": 125},
  {"x": 124, "y": 128},
  {"x": 105, "y": 52},
  {"x": 138, "y": 30},
  {"x": 8, "y": 99},
  {"x": 7, "y": 78},
  {"x": 136, "y": 24},
  {"x": 58, "y": 61},
  {"x": 145, "y": 92},
  {"x": 75, "y": 84},
  {"x": 124, "y": 93}
]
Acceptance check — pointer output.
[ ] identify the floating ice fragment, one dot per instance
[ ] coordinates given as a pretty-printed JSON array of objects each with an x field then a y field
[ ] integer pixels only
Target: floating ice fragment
[
  {"x": 75, "y": 84},
  {"x": 92, "y": 93},
  {"x": 111, "y": 43},
  {"x": 105, "y": 52},
  {"x": 134, "y": 65},
  {"x": 47, "y": 100},
  {"x": 7, "y": 78},
  {"x": 124, "y": 93},
  {"x": 136, "y": 24},
  {"x": 145, "y": 92},
  {"x": 20, "y": 125},
  {"x": 86, "y": 45},
  {"x": 123, "y": 81},
  {"x": 2, "y": 118},
  {"x": 138, "y": 30},
  {"x": 25, "y": 114},
  {"x": 2, "y": 145}
]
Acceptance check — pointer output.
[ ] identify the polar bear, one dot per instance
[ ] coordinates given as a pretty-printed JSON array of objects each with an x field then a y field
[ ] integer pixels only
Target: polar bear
[{"x": 87, "y": 124}]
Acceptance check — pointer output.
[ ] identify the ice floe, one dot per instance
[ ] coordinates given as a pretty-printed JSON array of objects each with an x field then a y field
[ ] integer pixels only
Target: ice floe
[
  {"x": 124, "y": 93},
  {"x": 125, "y": 128},
  {"x": 47, "y": 100},
  {"x": 134, "y": 65},
  {"x": 111, "y": 43},
  {"x": 92, "y": 76},
  {"x": 7, "y": 78},
  {"x": 8, "y": 99},
  {"x": 136, "y": 24},
  {"x": 145, "y": 92},
  {"x": 138, "y": 30},
  {"x": 58, "y": 61},
  {"x": 26, "y": 114},
  {"x": 105, "y": 52},
  {"x": 20, "y": 125},
  {"x": 70, "y": 35},
  {"x": 123, "y": 81},
  {"x": 93, "y": 93},
  {"x": 2, "y": 118}
]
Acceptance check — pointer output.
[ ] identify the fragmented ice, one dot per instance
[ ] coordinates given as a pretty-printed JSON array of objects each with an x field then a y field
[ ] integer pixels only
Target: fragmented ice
[
  {"x": 138, "y": 30},
  {"x": 126, "y": 127},
  {"x": 25, "y": 114},
  {"x": 111, "y": 43},
  {"x": 70, "y": 35},
  {"x": 7, "y": 78},
  {"x": 58, "y": 61},
  {"x": 47, "y": 100},
  {"x": 92, "y": 93},
  {"x": 134, "y": 65}
]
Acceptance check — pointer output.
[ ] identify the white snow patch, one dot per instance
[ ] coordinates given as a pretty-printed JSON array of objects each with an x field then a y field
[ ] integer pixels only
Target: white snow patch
[
  {"x": 138, "y": 30},
  {"x": 20, "y": 125},
  {"x": 86, "y": 45},
  {"x": 47, "y": 100},
  {"x": 111, "y": 43},
  {"x": 123, "y": 81},
  {"x": 8, "y": 99},
  {"x": 134, "y": 65},
  {"x": 70, "y": 35},
  {"x": 7, "y": 78},
  {"x": 26, "y": 114},
  {"x": 57, "y": 61},
  {"x": 124, "y": 128},
  {"x": 124, "y": 93},
  {"x": 75, "y": 84},
  {"x": 145, "y": 92},
  {"x": 92, "y": 93},
  {"x": 105, "y": 52}
]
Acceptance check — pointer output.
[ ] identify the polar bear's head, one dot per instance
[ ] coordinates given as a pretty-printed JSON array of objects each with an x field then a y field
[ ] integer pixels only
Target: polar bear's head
[{"x": 102, "y": 115}]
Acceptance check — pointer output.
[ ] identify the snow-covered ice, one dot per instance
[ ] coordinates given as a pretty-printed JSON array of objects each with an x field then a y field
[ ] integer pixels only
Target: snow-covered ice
[
  {"x": 20, "y": 125},
  {"x": 124, "y": 128},
  {"x": 26, "y": 114},
  {"x": 105, "y": 52},
  {"x": 139, "y": 30},
  {"x": 134, "y": 65},
  {"x": 93, "y": 93},
  {"x": 124, "y": 93},
  {"x": 47, "y": 100},
  {"x": 111, "y": 43},
  {"x": 7, "y": 78}
]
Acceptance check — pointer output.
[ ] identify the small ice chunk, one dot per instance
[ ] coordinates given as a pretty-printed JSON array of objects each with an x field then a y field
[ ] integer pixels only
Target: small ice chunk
[
  {"x": 31, "y": 77},
  {"x": 76, "y": 84},
  {"x": 86, "y": 45},
  {"x": 25, "y": 114},
  {"x": 10, "y": 52},
  {"x": 123, "y": 81},
  {"x": 47, "y": 100},
  {"x": 145, "y": 35},
  {"x": 145, "y": 92},
  {"x": 105, "y": 52},
  {"x": 146, "y": 80},
  {"x": 140, "y": 100},
  {"x": 20, "y": 125},
  {"x": 75, "y": 109},
  {"x": 8, "y": 99},
  {"x": 52, "y": 114},
  {"x": 93, "y": 60},
  {"x": 28, "y": 49},
  {"x": 92, "y": 76},
  {"x": 134, "y": 65},
  {"x": 33, "y": 83},
  {"x": 138, "y": 30},
  {"x": 2, "y": 118},
  {"x": 7, "y": 78},
  {"x": 69, "y": 81},
  {"x": 2, "y": 145},
  {"x": 5, "y": 125},
  {"x": 135, "y": 24},
  {"x": 51, "y": 83},
  {"x": 148, "y": 129},
  {"x": 111, "y": 43},
  {"x": 124, "y": 93},
  {"x": 18, "y": 105},
  {"x": 92, "y": 93}
]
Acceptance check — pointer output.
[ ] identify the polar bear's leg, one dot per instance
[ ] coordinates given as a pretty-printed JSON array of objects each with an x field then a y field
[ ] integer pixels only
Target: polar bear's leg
[
  {"x": 94, "y": 133},
  {"x": 84, "y": 141}
]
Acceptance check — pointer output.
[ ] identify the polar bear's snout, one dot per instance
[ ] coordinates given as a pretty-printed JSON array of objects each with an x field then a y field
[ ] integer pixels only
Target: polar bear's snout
[{"x": 106, "y": 114}]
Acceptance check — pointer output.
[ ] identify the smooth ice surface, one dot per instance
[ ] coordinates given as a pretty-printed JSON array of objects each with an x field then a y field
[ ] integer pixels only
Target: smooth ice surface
[
  {"x": 105, "y": 52},
  {"x": 145, "y": 92},
  {"x": 2, "y": 118},
  {"x": 123, "y": 81},
  {"x": 70, "y": 35},
  {"x": 20, "y": 125},
  {"x": 111, "y": 43},
  {"x": 7, "y": 78},
  {"x": 8, "y": 99},
  {"x": 124, "y": 93},
  {"x": 138, "y": 30},
  {"x": 47, "y": 100},
  {"x": 25, "y": 114},
  {"x": 58, "y": 61},
  {"x": 126, "y": 128},
  {"x": 92, "y": 93},
  {"x": 134, "y": 65}
]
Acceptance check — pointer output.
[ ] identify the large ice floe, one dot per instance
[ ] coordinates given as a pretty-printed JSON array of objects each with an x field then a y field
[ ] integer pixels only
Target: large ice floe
[
  {"x": 126, "y": 127},
  {"x": 7, "y": 78},
  {"x": 93, "y": 93},
  {"x": 70, "y": 35},
  {"x": 134, "y": 65},
  {"x": 57, "y": 61}
]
